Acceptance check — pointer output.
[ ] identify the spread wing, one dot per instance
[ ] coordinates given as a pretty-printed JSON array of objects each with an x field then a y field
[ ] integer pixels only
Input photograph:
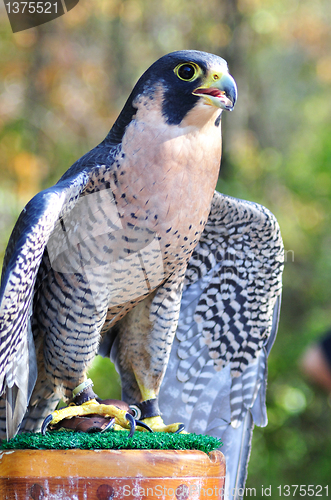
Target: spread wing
[
  {"x": 216, "y": 377},
  {"x": 18, "y": 370}
]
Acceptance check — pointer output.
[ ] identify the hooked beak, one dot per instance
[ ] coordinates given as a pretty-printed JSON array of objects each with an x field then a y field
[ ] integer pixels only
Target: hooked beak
[{"x": 219, "y": 90}]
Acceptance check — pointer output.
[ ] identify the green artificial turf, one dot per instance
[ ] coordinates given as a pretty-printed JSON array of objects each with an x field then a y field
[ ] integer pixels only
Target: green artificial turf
[{"x": 113, "y": 440}]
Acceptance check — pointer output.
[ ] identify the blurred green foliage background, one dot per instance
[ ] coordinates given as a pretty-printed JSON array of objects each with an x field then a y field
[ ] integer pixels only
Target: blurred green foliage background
[{"x": 63, "y": 84}]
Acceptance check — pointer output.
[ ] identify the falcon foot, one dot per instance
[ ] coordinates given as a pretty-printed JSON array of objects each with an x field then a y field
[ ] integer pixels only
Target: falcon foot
[
  {"x": 88, "y": 424},
  {"x": 157, "y": 425},
  {"x": 148, "y": 411},
  {"x": 117, "y": 418},
  {"x": 88, "y": 413}
]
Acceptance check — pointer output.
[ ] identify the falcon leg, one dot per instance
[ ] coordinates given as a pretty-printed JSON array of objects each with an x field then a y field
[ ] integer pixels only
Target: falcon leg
[{"x": 144, "y": 342}]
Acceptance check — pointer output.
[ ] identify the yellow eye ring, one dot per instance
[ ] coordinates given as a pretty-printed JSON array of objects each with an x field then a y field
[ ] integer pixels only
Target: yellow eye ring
[{"x": 188, "y": 72}]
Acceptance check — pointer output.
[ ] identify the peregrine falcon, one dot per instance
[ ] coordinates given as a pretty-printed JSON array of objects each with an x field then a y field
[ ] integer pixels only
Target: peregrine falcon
[{"x": 134, "y": 255}]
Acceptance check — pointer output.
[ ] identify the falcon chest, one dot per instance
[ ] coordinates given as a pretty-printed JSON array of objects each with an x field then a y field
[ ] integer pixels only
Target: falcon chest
[{"x": 165, "y": 175}]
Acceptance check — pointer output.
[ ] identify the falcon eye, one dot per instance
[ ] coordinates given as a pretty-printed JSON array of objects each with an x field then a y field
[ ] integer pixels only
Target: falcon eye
[{"x": 187, "y": 71}]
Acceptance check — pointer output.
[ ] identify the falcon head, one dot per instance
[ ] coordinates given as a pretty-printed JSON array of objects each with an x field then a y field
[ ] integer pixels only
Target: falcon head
[
  {"x": 190, "y": 77},
  {"x": 182, "y": 81}
]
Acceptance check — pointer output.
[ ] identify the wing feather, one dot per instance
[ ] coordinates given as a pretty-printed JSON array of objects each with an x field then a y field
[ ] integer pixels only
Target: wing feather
[
  {"x": 216, "y": 377},
  {"x": 24, "y": 253}
]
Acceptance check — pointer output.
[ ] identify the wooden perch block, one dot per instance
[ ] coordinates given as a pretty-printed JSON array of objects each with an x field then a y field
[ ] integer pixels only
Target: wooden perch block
[{"x": 108, "y": 474}]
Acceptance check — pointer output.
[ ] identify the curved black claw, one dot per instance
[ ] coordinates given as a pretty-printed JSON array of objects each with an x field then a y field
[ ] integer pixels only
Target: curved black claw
[
  {"x": 109, "y": 425},
  {"x": 132, "y": 423},
  {"x": 145, "y": 426},
  {"x": 45, "y": 424},
  {"x": 180, "y": 428}
]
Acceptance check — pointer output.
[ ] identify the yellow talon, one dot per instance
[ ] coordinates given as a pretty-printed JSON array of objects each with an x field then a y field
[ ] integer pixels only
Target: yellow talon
[
  {"x": 157, "y": 425},
  {"x": 91, "y": 407}
]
